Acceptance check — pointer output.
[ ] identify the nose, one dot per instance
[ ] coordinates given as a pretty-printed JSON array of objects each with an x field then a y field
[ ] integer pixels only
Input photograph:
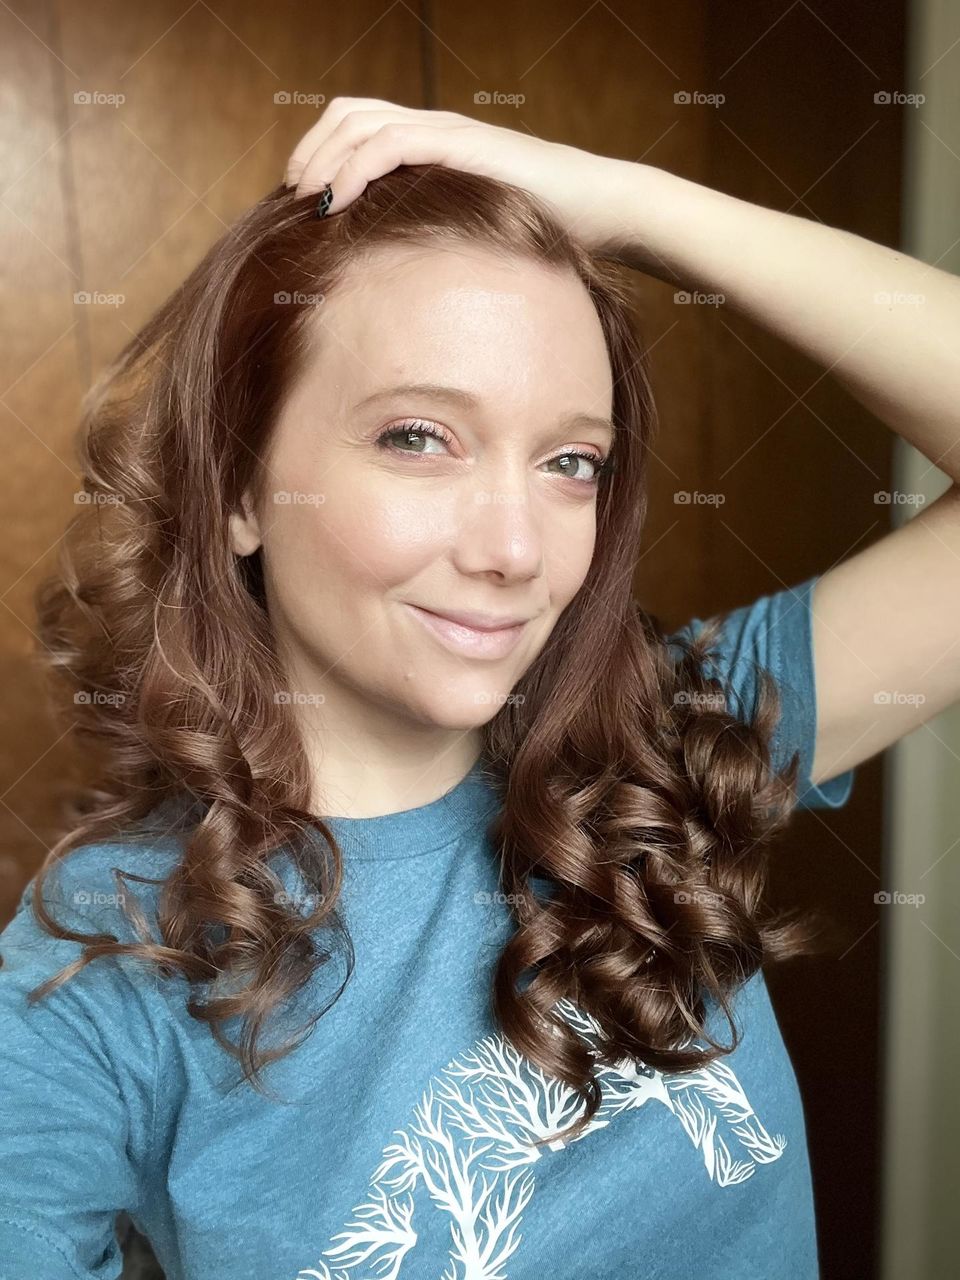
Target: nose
[{"x": 499, "y": 531}]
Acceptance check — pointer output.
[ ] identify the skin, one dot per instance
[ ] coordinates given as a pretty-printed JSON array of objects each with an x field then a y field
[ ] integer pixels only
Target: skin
[{"x": 499, "y": 519}]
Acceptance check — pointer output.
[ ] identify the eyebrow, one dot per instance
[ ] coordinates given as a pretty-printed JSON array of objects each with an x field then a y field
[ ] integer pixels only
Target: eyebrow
[{"x": 467, "y": 401}]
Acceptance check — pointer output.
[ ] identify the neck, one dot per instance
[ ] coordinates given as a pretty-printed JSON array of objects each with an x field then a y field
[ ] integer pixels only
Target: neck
[{"x": 364, "y": 767}]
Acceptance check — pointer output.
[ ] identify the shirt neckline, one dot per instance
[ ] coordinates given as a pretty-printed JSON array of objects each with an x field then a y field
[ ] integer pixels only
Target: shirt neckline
[{"x": 461, "y": 812}]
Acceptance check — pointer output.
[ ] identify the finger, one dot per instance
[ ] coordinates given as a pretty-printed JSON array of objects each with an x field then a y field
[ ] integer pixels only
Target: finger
[
  {"x": 337, "y": 112},
  {"x": 390, "y": 147},
  {"x": 330, "y": 118},
  {"x": 339, "y": 145}
]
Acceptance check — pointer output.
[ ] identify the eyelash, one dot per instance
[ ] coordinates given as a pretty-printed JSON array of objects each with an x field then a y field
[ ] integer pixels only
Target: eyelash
[{"x": 417, "y": 426}]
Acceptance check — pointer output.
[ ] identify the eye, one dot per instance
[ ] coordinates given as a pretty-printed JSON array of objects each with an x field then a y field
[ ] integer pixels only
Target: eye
[
  {"x": 415, "y": 429},
  {"x": 600, "y": 465}
]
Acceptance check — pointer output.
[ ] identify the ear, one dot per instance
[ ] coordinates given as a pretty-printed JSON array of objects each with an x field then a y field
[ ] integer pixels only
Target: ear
[{"x": 245, "y": 528}]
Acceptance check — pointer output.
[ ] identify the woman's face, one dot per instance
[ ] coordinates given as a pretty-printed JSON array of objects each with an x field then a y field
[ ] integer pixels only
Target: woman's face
[{"x": 367, "y": 538}]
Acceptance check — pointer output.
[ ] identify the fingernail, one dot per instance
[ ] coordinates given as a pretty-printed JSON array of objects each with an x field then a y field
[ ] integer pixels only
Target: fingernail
[{"x": 325, "y": 201}]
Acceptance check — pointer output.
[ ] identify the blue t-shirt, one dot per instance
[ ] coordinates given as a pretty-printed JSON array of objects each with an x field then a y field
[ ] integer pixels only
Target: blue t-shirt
[{"x": 395, "y": 1144}]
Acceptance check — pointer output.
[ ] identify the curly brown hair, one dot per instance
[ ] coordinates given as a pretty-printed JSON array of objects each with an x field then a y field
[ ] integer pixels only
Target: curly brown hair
[{"x": 630, "y": 789}]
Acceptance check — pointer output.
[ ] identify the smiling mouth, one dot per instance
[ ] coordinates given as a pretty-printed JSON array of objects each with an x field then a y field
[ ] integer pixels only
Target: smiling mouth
[{"x": 473, "y": 642}]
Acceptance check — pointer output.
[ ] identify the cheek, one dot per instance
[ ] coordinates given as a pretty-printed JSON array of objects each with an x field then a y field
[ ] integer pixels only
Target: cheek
[
  {"x": 377, "y": 537},
  {"x": 410, "y": 528},
  {"x": 568, "y": 553}
]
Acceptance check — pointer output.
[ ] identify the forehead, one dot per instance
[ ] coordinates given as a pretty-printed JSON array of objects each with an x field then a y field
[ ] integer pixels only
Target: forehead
[{"x": 464, "y": 314}]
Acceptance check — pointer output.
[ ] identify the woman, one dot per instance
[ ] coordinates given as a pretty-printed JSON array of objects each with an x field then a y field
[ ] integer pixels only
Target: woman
[{"x": 423, "y": 812}]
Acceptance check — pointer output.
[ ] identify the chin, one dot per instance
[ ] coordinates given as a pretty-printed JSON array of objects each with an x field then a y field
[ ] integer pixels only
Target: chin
[{"x": 464, "y": 710}]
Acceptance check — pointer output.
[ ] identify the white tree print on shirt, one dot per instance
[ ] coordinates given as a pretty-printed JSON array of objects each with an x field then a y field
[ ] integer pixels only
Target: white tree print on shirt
[{"x": 466, "y": 1148}]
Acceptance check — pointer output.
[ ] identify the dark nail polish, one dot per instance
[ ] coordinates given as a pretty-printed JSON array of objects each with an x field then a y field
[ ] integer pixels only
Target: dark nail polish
[{"x": 326, "y": 200}]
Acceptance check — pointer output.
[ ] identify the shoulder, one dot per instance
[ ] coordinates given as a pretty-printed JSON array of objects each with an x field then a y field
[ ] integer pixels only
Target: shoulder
[
  {"x": 773, "y": 631},
  {"x": 88, "y": 888},
  {"x": 81, "y": 1061},
  {"x": 94, "y": 889}
]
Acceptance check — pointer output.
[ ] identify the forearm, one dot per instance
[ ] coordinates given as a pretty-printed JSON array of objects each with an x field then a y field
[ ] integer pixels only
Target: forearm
[{"x": 885, "y": 324}]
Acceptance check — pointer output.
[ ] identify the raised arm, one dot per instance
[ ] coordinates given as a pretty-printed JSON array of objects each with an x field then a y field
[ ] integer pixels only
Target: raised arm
[{"x": 886, "y": 621}]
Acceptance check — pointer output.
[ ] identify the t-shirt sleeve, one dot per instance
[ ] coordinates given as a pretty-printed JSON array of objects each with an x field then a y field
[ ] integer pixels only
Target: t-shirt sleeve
[
  {"x": 78, "y": 1073},
  {"x": 776, "y": 632}
]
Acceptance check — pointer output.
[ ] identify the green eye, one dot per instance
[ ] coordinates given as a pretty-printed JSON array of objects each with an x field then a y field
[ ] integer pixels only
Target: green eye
[
  {"x": 415, "y": 428},
  {"x": 598, "y": 463}
]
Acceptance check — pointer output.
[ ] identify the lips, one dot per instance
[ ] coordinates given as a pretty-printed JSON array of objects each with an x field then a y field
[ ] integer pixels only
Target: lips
[
  {"x": 472, "y": 641},
  {"x": 474, "y": 620}
]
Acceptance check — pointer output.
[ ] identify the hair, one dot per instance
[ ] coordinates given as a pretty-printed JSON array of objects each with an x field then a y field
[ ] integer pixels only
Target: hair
[{"x": 628, "y": 785}]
